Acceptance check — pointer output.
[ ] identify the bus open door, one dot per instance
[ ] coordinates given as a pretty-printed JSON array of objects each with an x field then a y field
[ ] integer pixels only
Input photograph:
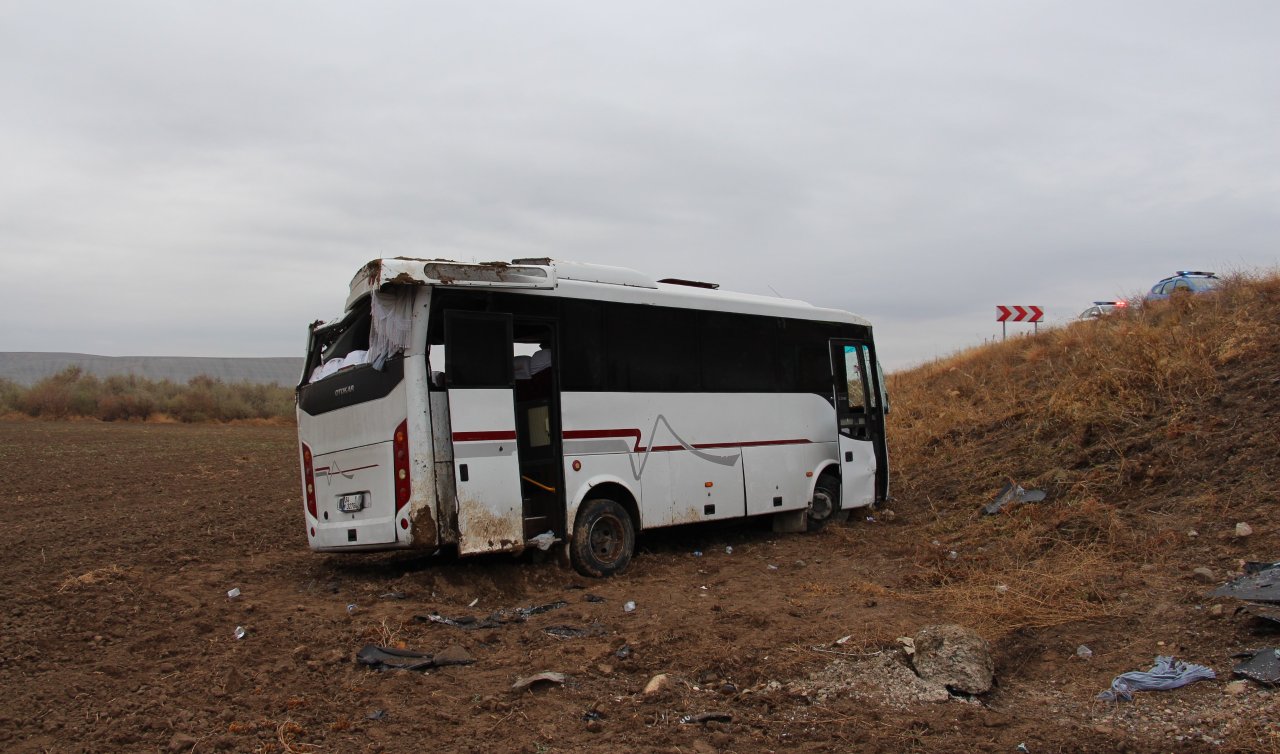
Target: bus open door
[{"x": 860, "y": 421}]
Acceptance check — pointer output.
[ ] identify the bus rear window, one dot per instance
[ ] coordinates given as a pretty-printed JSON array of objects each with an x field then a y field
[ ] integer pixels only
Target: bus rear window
[{"x": 340, "y": 346}]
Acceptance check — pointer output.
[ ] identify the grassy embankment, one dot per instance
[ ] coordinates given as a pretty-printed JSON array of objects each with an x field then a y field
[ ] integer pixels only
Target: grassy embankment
[{"x": 1142, "y": 427}]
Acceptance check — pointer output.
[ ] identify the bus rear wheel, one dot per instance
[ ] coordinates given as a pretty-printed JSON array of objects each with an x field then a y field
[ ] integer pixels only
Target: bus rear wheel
[
  {"x": 826, "y": 502},
  {"x": 603, "y": 539}
]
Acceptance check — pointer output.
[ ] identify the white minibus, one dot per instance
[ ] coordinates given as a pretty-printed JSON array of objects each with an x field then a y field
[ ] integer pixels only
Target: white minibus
[{"x": 494, "y": 407}]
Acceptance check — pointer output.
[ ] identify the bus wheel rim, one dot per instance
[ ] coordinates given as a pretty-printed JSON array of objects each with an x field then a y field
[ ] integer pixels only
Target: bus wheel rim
[{"x": 606, "y": 538}]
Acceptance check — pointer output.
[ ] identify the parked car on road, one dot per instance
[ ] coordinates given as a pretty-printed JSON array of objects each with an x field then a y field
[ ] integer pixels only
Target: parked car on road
[
  {"x": 1187, "y": 281},
  {"x": 1101, "y": 308}
]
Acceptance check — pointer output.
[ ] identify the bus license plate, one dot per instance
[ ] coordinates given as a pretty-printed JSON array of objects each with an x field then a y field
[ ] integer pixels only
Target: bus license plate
[{"x": 351, "y": 503}]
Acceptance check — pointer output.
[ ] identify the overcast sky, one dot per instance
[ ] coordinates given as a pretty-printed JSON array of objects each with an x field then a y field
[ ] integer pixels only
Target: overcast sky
[{"x": 203, "y": 178}]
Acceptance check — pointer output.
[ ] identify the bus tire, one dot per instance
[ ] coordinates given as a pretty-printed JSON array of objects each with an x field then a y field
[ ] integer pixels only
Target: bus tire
[
  {"x": 603, "y": 539},
  {"x": 826, "y": 502}
]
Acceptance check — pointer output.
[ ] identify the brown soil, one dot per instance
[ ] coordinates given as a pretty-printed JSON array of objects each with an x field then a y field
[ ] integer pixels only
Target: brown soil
[{"x": 122, "y": 540}]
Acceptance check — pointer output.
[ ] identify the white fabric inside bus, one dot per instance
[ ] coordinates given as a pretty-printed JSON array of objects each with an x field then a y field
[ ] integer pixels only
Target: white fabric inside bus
[
  {"x": 392, "y": 321},
  {"x": 355, "y": 358}
]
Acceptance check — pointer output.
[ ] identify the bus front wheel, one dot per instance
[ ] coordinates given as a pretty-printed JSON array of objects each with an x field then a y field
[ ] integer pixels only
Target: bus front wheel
[{"x": 603, "y": 539}]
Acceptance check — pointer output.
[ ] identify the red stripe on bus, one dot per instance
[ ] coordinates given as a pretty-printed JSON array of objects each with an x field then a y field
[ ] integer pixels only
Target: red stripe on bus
[
  {"x": 597, "y": 434},
  {"x": 500, "y": 434},
  {"x": 721, "y": 446}
]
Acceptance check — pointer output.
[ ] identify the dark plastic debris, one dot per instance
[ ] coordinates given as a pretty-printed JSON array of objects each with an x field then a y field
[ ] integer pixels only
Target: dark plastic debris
[
  {"x": 623, "y": 652},
  {"x": 1009, "y": 494},
  {"x": 386, "y": 658},
  {"x": 1262, "y": 585},
  {"x": 565, "y": 632},
  {"x": 377, "y": 714},
  {"x": 707, "y": 717},
  {"x": 494, "y": 619},
  {"x": 1263, "y": 666},
  {"x": 1268, "y": 613},
  {"x": 593, "y": 598}
]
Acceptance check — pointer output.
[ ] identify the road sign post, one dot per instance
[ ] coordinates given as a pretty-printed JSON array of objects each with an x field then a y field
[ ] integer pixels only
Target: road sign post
[{"x": 1005, "y": 314}]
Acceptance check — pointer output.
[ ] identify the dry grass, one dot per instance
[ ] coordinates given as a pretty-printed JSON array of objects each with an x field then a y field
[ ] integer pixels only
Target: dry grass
[
  {"x": 96, "y": 576},
  {"x": 74, "y": 394},
  {"x": 1139, "y": 425}
]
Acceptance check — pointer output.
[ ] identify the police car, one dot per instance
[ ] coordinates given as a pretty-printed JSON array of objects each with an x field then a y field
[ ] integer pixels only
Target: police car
[{"x": 1186, "y": 281}]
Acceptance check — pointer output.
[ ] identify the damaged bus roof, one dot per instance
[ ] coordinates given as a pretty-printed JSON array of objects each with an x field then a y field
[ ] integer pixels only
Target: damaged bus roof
[{"x": 574, "y": 279}]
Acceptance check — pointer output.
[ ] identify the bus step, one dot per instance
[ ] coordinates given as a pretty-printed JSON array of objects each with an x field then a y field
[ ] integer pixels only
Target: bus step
[{"x": 535, "y": 525}]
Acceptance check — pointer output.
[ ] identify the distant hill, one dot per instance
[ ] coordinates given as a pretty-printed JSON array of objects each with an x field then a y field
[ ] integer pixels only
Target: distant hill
[{"x": 27, "y": 368}]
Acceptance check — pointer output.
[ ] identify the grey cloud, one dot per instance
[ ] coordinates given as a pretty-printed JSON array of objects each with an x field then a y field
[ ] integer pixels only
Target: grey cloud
[{"x": 204, "y": 179}]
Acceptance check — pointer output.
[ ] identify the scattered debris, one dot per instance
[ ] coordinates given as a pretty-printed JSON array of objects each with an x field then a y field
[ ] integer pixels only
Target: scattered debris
[
  {"x": 239, "y": 633},
  {"x": 657, "y": 684},
  {"x": 566, "y": 632},
  {"x": 728, "y": 550},
  {"x": 630, "y": 607},
  {"x": 843, "y": 640},
  {"x": 389, "y": 658},
  {"x": 1011, "y": 493},
  {"x": 1243, "y": 529},
  {"x": 1204, "y": 575},
  {"x": 1167, "y": 673},
  {"x": 1084, "y": 653},
  {"x": 526, "y": 612},
  {"x": 623, "y": 652},
  {"x": 591, "y": 715},
  {"x": 707, "y": 717},
  {"x": 378, "y": 714},
  {"x": 772, "y": 567},
  {"x": 473, "y": 602},
  {"x": 1261, "y": 612},
  {"x": 546, "y": 678},
  {"x": 697, "y": 553},
  {"x": 233, "y": 593},
  {"x": 1262, "y": 666},
  {"x": 351, "y": 608},
  {"x": 392, "y": 596},
  {"x": 494, "y": 619},
  {"x": 593, "y": 598},
  {"x": 544, "y": 540},
  {"x": 1260, "y": 583},
  {"x": 955, "y": 657}
]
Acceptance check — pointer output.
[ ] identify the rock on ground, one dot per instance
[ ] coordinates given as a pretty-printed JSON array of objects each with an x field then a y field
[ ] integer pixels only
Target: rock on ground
[{"x": 955, "y": 657}]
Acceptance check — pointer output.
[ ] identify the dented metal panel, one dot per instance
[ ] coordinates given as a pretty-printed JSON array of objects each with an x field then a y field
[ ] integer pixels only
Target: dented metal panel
[{"x": 406, "y": 271}]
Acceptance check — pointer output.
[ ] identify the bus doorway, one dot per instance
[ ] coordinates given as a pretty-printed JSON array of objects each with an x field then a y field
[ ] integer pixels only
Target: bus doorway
[
  {"x": 505, "y": 425},
  {"x": 537, "y": 404},
  {"x": 860, "y": 421}
]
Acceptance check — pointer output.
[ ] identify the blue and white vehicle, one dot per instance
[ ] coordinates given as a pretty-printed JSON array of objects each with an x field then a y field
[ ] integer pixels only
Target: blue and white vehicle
[{"x": 1184, "y": 281}]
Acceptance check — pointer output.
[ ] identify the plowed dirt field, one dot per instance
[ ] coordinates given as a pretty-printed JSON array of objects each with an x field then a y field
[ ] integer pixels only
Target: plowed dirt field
[{"x": 116, "y": 633}]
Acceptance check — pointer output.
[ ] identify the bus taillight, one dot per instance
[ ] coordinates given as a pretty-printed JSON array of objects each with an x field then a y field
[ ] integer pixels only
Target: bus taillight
[
  {"x": 400, "y": 446},
  {"x": 309, "y": 479}
]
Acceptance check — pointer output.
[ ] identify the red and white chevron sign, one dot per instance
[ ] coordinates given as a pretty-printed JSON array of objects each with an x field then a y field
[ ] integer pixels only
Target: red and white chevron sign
[{"x": 1019, "y": 314}]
